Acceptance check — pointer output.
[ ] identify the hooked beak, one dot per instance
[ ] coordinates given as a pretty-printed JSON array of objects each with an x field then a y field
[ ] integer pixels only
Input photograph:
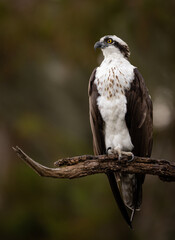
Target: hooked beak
[{"x": 99, "y": 45}]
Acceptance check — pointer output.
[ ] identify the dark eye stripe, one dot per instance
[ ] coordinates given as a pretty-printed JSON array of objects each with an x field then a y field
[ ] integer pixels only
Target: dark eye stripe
[{"x": 123, "y": 49}]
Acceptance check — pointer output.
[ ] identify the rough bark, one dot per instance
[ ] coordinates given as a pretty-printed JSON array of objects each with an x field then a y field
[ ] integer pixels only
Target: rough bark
[{"x": 85, "y": 165}]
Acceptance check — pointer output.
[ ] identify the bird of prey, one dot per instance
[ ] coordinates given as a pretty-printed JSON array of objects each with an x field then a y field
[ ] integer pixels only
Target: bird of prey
[{"x": 121, "y": 118}]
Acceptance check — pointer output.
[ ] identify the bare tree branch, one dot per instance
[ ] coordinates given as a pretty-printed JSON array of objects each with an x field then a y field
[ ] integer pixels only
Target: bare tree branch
[{"x": 85, "y": 165}]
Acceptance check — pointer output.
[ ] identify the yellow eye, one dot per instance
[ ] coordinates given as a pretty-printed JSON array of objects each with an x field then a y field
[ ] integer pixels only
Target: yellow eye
[{"x": 109, "y": 40}]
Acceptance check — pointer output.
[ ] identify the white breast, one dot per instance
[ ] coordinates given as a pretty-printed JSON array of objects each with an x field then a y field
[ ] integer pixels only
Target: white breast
[{"x": 113, "y": 77}]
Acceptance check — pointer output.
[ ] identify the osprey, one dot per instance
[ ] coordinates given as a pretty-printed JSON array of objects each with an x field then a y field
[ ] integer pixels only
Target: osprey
[{"x": 121, "y": 118}]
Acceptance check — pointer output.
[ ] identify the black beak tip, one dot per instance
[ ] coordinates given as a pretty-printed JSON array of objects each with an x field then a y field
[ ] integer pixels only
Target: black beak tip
[{"x": 97, "y": 45}]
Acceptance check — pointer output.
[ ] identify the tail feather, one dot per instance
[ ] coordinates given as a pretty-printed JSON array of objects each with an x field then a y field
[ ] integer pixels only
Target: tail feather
[
  {"x": 132, "y": 215},
  {"x": 118, "y": 198},
  {"x": 131, "y": 190}
]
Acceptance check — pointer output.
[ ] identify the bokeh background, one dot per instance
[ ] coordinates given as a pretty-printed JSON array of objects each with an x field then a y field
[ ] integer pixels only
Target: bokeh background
[{"x": 46, "y": 58}]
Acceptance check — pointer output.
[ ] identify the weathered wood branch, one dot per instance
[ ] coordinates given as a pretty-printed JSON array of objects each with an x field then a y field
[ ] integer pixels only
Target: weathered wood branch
[{"x": 85, "y": 165}]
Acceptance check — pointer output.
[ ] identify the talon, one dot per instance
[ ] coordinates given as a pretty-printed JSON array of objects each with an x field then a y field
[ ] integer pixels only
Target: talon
[
  {"x": 132, "y": 158},
  {"x": 108, "y": 149},
  {"x": 129, "y": 154}
]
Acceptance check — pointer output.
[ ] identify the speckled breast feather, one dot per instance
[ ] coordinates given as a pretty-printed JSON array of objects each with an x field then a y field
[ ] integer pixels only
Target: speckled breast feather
[{"x": 113, "y": 77}]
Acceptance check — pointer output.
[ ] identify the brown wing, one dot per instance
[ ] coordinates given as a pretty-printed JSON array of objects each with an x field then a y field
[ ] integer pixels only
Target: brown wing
[
  {"x": 139, "y": 120},
  {"x": 139, "y": 117},
  {"x": 97, "y": 127},
  {"x": 96, "y": 121}
]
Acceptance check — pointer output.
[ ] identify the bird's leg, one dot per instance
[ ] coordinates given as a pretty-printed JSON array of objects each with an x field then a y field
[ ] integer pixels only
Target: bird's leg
[
  {"x": 117, "y": 151},
  {"x": 129, "y": 154},
  {"x": 111, "y": 150},
  {"x": 120, "y": 153}
]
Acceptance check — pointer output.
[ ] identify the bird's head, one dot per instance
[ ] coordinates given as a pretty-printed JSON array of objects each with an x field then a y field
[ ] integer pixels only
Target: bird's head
[{"x": 112, "y": 44}]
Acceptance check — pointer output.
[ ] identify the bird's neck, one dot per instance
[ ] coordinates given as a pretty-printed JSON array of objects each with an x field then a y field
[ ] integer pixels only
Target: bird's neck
[
  {"x": 115, "y": 58},
  {"x": 112, "y": 54}
]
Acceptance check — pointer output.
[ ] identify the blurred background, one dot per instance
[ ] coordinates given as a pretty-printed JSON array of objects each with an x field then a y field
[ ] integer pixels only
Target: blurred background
[{"x": 46, "y": 58}]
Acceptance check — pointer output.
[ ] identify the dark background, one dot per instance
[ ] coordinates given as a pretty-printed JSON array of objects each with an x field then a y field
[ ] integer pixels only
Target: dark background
[{"x": 46, "y": 58}]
